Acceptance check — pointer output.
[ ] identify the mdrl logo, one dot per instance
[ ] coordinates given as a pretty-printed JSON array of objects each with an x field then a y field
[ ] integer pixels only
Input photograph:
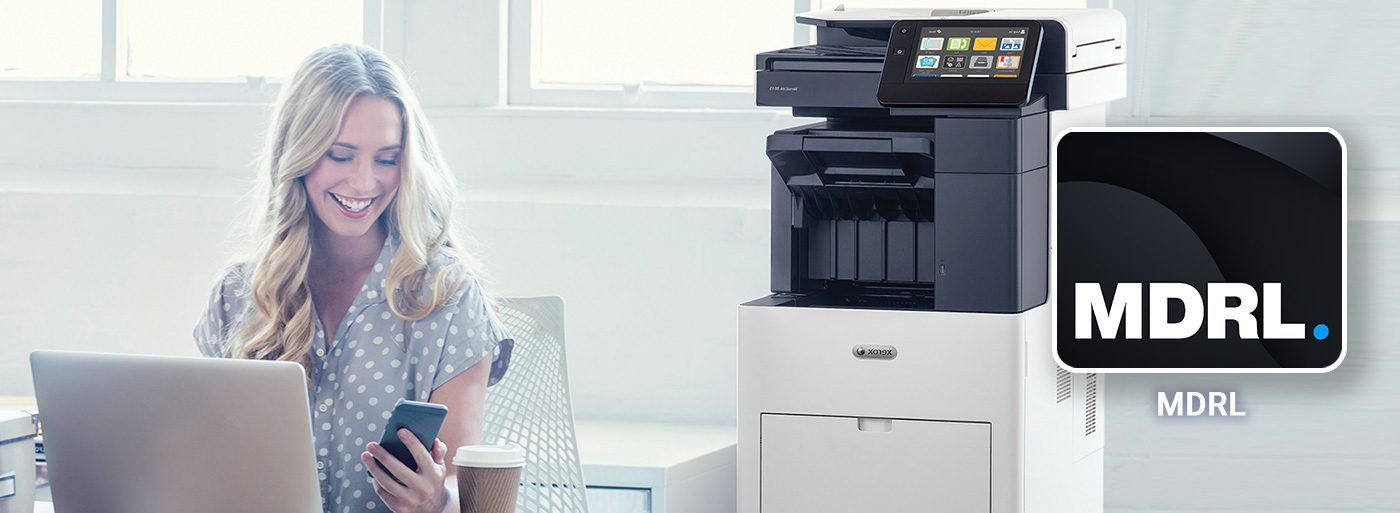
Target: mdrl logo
[
  {"x": 1214, "y": 310},
  {"x": 1198, "y": 250}
]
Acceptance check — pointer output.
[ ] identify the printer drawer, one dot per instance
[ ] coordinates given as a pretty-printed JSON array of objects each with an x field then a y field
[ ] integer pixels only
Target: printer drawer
[{"x": 815, "y": 464}]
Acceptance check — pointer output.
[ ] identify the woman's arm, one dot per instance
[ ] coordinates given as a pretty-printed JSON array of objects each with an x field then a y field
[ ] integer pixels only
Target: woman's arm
[
  {"x": 211, "y": 332},
  {"x": 465, "y": 398}
]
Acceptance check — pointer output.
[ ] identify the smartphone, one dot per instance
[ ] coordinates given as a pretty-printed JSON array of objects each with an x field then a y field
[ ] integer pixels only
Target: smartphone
[{"x": 423, "y": 419}]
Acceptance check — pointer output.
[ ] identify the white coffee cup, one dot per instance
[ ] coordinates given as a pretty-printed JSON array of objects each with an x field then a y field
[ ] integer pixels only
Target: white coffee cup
[{"x": 488, "y": 477}]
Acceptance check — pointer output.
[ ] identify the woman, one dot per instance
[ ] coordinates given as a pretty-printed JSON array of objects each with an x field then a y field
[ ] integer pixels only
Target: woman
[{"x": 358, "y": 277}]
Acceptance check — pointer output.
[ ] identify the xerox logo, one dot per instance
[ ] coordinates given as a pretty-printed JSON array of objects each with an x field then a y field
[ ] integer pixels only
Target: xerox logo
[
  {"x": 1190, "y": 250},
  {"x": 1223, "y": 303},
  {"x": 869, "y": 352}
]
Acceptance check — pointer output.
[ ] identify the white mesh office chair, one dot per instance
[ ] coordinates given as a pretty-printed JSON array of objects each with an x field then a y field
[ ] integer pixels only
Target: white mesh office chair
[{"x": 530, "y": 407}]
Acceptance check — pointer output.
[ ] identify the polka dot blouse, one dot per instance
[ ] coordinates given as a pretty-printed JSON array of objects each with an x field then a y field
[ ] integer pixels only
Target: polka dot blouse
[{"x": 375, "y": 359}]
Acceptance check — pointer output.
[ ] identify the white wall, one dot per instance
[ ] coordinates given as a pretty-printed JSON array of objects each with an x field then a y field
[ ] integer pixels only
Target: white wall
[{"x": 114, "y": 219}]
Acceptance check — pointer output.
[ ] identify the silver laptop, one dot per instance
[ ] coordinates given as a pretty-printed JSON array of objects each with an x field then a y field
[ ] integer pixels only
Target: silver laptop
[{"x": 159, "y": 434}]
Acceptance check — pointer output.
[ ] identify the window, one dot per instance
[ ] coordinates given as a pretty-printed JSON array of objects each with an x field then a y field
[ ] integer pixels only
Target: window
[
  {"x": 180, "y": 39},
  {"x": 679, "y": 44},
  {"x": 50, "y": 39},
  {"x": 166, "y": 50},
  {"x": 565, "y": 52}
]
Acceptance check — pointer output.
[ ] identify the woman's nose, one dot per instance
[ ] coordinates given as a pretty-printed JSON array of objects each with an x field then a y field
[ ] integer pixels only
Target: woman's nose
[{"x": 362, "y": 176}]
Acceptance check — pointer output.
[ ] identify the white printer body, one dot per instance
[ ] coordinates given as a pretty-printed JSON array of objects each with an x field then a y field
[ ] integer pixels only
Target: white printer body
[{"x": 904, "y": 361}]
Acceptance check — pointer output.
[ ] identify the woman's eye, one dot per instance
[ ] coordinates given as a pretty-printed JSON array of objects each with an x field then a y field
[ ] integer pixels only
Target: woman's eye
[
  {"x": 388, "y": 162},
  {"x": 338, "y": 158}
]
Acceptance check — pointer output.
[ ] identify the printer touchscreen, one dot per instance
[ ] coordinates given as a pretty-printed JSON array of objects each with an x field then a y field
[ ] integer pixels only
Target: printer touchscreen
[
  {"x": 968, "y": 53},
  {"x": 959, "y": 62}
]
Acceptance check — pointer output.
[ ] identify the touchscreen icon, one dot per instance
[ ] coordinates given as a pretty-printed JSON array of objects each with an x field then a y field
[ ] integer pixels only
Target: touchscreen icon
[
  {"x": 1008, "y": 62},
  {"x": 959, "y": 43},
  {"x": 955, "y": 61},
  {"x": 985, "y": 44},
  {"x": 981, "y": 61},
  {"x": 1012, "y": 44},
  {"x": 928, "y": 61},
  {"x": 931, "y": 43}
]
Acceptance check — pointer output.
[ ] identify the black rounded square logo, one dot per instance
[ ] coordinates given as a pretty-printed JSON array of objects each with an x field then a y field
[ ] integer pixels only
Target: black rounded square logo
[{"x": 1199, "y": 250}]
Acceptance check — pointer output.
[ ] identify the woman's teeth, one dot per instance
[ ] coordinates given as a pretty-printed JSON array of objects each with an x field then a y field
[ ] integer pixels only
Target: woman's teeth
[{"x": 353, "y": 205}]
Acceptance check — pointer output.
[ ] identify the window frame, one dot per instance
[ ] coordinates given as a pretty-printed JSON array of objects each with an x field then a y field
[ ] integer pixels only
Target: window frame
[
  {"x": 523, "y": 88},
  {"x": 382, "y": 22}
]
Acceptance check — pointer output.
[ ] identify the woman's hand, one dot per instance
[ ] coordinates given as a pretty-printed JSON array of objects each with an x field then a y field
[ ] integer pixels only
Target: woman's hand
[{"x": 411, "y": 492}]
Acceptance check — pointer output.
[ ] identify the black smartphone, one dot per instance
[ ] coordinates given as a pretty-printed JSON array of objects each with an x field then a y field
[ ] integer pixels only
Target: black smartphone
[{"x": 423, "y": 419}]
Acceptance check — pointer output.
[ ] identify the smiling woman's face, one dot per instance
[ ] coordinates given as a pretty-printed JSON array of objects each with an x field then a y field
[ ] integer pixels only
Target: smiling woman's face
[{"x": 352, "y": 184}]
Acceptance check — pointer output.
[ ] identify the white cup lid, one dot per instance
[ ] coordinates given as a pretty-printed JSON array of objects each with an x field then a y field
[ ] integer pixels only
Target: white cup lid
[{"x": 490, "y": 456}]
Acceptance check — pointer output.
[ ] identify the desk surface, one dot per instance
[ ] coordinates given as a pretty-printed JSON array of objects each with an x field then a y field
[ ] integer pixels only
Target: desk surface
[{"x": 648, "y": 445}]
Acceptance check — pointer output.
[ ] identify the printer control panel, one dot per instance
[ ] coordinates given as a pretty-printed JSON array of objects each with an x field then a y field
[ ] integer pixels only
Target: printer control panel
[{"x": 959, "y": 62}]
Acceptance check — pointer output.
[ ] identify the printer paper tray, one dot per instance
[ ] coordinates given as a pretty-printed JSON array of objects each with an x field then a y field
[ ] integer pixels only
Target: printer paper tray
[{"x": 817, "y": 464}]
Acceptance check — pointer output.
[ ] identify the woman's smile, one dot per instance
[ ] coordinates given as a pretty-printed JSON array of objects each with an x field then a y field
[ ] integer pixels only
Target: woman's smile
[{"x": 351, "y": 206}]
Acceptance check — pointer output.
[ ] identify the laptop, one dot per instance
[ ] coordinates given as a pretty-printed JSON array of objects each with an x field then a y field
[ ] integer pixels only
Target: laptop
[{"x": 161, "y": 434}]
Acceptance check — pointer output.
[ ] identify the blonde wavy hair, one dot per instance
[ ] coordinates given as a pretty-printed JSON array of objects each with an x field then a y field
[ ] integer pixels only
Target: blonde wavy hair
[{"x": 307, "y": 118}]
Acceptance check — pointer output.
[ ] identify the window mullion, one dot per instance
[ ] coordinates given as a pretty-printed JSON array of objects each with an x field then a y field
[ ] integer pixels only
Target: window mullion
[
  {"x": 521, "y": 52},
  {"x": 373, "y": 20},
  {"x": 391, "y": 28},
  {"x": 110, "y": 48}
]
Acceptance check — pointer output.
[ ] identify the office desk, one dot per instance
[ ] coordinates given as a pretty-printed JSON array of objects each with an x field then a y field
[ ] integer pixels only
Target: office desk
[{"x": 637, "y": 467}]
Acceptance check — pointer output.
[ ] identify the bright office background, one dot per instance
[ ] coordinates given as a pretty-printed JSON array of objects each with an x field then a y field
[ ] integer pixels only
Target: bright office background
[{"x": 613, "y": 157}]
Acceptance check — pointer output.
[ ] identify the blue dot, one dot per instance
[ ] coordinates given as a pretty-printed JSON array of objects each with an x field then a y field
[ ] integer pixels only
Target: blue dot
[{"x": 1320, "y": 332}]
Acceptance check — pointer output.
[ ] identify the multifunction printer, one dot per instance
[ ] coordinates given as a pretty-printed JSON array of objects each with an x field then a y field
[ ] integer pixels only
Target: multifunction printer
[{"x": 903, "y": 361}]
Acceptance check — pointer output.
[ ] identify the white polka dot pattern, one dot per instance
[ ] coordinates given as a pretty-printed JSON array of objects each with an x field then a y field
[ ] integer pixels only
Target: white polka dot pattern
[{"x": 359, "y": 386}]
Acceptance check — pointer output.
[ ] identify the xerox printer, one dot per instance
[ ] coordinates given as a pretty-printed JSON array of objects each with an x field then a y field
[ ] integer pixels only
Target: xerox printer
[
  {"x": 903, "y": 360},
  {"x": 855, "y": 197}
]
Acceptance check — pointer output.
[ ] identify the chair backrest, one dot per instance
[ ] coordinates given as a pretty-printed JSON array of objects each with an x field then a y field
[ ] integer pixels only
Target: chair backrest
[{"x": 530, "y": 407}]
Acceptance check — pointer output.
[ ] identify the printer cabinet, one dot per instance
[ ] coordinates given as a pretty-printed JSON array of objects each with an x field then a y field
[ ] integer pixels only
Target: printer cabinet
[{"x": 819, "y": 463}]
